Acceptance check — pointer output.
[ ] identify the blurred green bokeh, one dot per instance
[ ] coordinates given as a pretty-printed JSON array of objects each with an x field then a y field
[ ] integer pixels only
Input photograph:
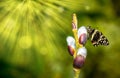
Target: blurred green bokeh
[{"x": 33, "y": 38}]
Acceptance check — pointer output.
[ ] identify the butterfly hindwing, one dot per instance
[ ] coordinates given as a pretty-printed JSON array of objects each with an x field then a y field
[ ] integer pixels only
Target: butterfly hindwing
[
  {"x": 103, "y": 40},
  {"x": 97, "y": 38}
]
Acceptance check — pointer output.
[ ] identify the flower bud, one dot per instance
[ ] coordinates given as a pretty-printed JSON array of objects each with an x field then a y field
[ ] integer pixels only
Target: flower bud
[
  {"x": 74, "y": 26},
  {"x": 82, "y": 51},
  {"x": 78, "y": 62},
  {"x": 74, "y": 22},
  {"x": 82, "y": 35},
  {"x": 71, "y": 45},
  {"x": 83, "y": 38},
  {"x": 71, "y": 50},
  {"x": 70, "y": 41}
]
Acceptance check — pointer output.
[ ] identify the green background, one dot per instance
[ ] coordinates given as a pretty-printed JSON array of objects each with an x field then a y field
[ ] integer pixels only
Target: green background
[{"x": 33, "y": 38}]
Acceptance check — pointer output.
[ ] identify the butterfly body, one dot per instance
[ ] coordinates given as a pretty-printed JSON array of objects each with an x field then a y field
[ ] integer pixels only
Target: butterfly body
[{"x": 97, "y": 38}]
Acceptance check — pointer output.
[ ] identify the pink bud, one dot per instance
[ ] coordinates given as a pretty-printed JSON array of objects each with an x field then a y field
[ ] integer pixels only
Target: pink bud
[
  {"x": 74, "y": 26},
  {"x": 74, "y": 22},
  {"x": 71, "y": 50},
  {"x": 83, "y": 38},
  {"x": 78, "y": 62}
]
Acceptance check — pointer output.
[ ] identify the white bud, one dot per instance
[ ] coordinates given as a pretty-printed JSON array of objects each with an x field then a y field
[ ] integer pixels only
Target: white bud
[
  {"x": 82, "y": 51},
  {"x": 70, "y": 41},
  {"x": 82, "y": 35},
  {"x": 82, "y": 30}
]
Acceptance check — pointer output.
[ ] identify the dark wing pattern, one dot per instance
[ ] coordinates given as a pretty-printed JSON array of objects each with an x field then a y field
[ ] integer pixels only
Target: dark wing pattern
[{"x": 97, "y": 38}]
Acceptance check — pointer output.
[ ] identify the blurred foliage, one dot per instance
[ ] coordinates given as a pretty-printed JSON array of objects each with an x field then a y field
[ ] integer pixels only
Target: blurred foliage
[{"x": 33, "y": 38}]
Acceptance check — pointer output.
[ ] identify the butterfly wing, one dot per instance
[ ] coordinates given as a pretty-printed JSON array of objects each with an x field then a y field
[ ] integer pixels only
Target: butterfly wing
[
  {"x": 97, "y": 38},
  {"x": 103, "y": 40}
]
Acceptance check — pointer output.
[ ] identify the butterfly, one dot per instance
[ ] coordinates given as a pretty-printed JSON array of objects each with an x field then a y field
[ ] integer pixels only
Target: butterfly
[{"x": 97, "y": 38}]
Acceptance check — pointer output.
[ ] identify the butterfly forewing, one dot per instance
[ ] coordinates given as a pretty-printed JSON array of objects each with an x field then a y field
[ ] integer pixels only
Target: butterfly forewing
[{"x": 97, "y": 38}]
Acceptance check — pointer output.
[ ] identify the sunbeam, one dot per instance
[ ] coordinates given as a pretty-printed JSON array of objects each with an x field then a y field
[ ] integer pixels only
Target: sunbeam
[{"x": 25, "y": 24}]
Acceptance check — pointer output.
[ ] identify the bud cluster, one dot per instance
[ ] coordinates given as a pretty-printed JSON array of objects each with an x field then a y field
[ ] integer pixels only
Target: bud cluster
[{"x": 76, "y": 46}]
